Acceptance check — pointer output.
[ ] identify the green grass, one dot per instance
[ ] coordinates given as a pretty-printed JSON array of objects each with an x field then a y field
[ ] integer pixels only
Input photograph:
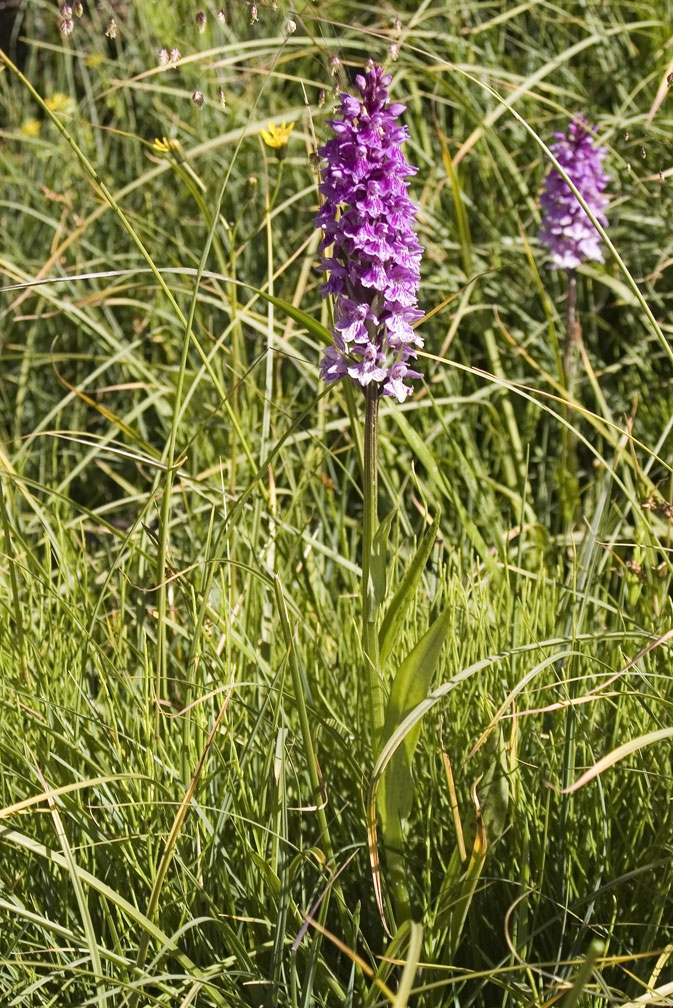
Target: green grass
[{"x": 186, "y": 761}]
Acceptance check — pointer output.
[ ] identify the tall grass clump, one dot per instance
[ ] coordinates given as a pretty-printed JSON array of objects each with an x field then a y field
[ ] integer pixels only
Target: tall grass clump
[{"x": 354, "y": 693}]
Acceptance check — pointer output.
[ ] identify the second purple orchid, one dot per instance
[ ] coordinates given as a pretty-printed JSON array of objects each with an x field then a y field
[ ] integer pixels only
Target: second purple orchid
[
  {"x": 567, "y": 231},
  {"x": 368, "y": 219}
]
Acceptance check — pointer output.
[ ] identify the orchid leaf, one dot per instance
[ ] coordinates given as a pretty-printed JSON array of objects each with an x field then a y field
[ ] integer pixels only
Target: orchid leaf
[
  {"x": 401, "y": 600},
  {"x": 378, "y": 559},
  {"x": 410, "y": 686}
]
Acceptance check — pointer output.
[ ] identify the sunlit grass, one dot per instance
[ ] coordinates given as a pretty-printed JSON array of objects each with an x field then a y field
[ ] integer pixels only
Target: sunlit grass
[{"x": 163, "y": 839}]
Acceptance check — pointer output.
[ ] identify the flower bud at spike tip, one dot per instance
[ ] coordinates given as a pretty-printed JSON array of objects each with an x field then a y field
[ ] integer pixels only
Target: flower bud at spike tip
[
  {"x": 368, "y": 219},
  {"x": 566, "y": 229}
]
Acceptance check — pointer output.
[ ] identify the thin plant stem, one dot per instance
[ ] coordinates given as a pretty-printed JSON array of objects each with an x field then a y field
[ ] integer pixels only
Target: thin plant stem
[
  {"x": 268, "y": 551},
  {"x": 16, "y": 598},
  {"x": 569, "y": 484},
  {"x": 370, "y": 642},
  {"x": 268, "y": 374},
  {"x": 569, "y": 355}
]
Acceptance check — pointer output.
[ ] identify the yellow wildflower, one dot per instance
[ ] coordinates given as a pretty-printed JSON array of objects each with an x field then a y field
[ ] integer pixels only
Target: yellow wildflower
[
  {"x": 61, "y": 104},
  {"x": 165, "y": 146},
  {"x": 30, "y": 127},
  {"x": 277, "y": 137}
]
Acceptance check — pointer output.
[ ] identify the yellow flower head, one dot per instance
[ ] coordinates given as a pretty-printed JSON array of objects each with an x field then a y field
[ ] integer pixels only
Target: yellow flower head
[
  {"x": 277, "y": 137},
  {"x": 61, "y": 104},
  {"x": 165, "y": 146},
  {"x": 30, "y": 127}
]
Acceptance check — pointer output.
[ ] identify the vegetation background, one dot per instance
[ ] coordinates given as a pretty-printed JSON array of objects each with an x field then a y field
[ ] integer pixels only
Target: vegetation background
[{"x": 181, "y": 516}]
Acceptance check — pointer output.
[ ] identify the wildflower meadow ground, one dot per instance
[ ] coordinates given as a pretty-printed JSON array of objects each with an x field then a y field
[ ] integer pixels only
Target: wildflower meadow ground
[{"x": 336, "y": 493}]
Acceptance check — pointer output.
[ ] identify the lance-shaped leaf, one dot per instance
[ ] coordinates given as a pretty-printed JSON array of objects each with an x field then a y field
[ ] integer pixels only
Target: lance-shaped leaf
[
  {"x": 410, "y": 686},
  {"x": 378, "y": 560},
  {"x": 401, "y": 600}
]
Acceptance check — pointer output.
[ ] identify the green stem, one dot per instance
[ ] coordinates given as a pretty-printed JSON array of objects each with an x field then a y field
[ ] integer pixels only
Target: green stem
[
  {"x": 392, "y": 827},
  {"x": 14, "y": 586},
  {"x": 569, "y": 354},
  {"x": 370, "y": 641},
  {"x": 268, "y": 551},
  {"x": 268, "y": 377},
  {"x": 569, "y": 463}
]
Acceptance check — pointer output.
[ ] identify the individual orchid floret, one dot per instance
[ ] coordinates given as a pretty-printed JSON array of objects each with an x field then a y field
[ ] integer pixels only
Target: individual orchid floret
[
  {"x": 369, "y": 246},
  {"x": 567, "y": 230}
]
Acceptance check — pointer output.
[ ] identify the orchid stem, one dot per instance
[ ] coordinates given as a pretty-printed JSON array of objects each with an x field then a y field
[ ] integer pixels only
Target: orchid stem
[
  {"x": 569, "y": 350},
  {"x": 370, "y": 641},
  {"x": 569, "y": 466}
]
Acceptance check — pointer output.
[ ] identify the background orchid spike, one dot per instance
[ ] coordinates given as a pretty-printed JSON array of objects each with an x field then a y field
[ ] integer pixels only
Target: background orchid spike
[
  {"x": 368, "y": 218},
  {"x": 567, "y": 231}
]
